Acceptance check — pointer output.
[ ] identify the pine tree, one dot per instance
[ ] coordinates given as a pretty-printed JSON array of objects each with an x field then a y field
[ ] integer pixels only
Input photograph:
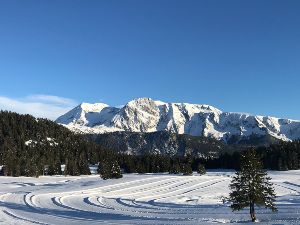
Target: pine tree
[
  {"x": 201, "y": 169},
  {"x": 116, "y": 170},
  {"x": 109, "y": 170},
  {"x": 175, "y": 168},
  {"x": 141, "y": 169},
  {"x": 186, "y": 166},
  {"x": 186, "y": 169},
  {"x": 251, "y": 186}
]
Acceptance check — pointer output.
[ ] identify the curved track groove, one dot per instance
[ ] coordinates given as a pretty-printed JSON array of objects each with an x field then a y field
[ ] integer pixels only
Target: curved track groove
[{"x": 137, "y": 199}]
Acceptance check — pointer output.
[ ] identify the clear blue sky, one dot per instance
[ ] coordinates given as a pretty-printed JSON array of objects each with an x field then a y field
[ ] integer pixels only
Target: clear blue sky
[{"x": 241, "y": 56}]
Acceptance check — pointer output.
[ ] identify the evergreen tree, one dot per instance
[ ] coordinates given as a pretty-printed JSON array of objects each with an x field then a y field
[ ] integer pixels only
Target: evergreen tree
[
  {"x": 186, "y": 166},
  {"x": 109, "y": 169},
  {"x": 251, "y": 186},
  {"x": 141, "y": 168},
  {"x": 28, "y": 144},
  {"x": 116, "y": 170},
  {"x": 201, "y": 169},
  {"x": 175, "y": 167},
  {"x": 186, "y": 169}
]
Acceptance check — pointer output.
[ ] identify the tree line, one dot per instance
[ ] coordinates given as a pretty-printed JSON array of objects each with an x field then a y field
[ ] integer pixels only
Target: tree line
[
  {"x": 281, "y": 156},
  {"x": 28, "y": 146}
]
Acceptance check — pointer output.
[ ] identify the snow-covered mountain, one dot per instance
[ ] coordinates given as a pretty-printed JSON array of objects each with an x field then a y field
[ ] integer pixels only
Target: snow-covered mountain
[{"x": 147, "y": 115}]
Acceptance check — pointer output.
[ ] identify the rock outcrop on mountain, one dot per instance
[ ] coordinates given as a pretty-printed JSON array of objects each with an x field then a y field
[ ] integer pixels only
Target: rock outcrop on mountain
[{"x": 145, "y": 115}]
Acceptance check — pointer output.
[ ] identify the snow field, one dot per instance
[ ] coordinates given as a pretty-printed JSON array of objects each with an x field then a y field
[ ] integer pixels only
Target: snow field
[{"x": 138, "y": 199}]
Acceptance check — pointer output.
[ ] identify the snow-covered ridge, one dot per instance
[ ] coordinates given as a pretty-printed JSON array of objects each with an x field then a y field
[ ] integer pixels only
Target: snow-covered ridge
[{"x": 147, "y": 115}]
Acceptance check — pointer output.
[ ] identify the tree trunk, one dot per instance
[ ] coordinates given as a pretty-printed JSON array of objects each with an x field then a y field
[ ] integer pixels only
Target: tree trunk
[{"x": 252, "y": 212}]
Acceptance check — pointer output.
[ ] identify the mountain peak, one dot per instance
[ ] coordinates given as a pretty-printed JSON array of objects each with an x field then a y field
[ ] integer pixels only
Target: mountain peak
[
  {"x": 95, "y": 107},
  {"x": 148, "y": 115}
]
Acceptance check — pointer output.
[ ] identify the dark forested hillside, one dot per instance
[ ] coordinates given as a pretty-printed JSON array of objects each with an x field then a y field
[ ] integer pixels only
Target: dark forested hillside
[
  {"x": 161, "y": 142},
  {"x": 281, "y": 156},
  {"x": 28, "y": 144}
]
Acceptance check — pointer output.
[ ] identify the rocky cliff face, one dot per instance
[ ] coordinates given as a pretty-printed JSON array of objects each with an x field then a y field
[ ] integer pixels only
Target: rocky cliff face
[{"x": 146, "y": 115}]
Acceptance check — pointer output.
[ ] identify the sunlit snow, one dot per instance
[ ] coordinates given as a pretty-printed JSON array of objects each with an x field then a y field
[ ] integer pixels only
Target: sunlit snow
[
  {"x": 138, "y": 199},
  {"x": 147, "y": 115}
]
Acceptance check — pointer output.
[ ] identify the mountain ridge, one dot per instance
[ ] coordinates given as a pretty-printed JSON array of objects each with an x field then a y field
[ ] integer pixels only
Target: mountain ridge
[{"x": 147, "y": 115}]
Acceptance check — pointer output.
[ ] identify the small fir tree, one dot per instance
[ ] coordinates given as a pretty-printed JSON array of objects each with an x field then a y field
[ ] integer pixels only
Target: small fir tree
[
  {"x": 175, "y": 168},
  {"x": 109, "y": 170},
  {"x": 116, "y": 170},
  {"x": 141, "y": 169},
  {"x": 186, "y": 169},
  {"x": 251, "y": 186},
  {"x": 201, "y": 169}
]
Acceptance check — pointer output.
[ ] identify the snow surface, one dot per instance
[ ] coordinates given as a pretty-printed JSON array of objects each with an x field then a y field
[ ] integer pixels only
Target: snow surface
[
  {"x": 147, "y": 115},
  {"x": 138, "y": 199}
]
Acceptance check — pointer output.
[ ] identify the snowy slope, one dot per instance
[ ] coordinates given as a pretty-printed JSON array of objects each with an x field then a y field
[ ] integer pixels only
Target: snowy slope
[
  {"x": 147, "y": 115},
  {"x": 156, "y": 199}
]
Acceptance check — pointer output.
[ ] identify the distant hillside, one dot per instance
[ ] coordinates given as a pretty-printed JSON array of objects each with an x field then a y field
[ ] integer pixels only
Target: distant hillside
[
  {"x": 162, "y": 142},
  {"x": 28, "y": 144}
]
